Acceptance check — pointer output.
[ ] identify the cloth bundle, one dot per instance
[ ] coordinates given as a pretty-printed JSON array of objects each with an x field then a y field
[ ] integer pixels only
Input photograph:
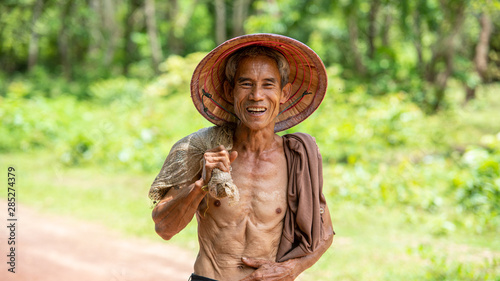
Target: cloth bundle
[{"x": 184, "y": 164}]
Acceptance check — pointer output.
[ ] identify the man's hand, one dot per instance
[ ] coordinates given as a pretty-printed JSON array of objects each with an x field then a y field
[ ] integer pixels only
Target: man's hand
[
  {"x": 269, "y": 270},
  {"x": 217, "y": 157}
]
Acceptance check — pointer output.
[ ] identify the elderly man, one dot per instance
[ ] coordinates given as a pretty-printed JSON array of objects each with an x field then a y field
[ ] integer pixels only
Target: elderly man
[{"x": 267, "y": 219}]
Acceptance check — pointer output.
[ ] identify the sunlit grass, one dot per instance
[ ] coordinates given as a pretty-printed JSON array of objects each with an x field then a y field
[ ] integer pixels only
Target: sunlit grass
[
  {"x": 377, "y": 243},
  {"x": 117, "y": 200}
]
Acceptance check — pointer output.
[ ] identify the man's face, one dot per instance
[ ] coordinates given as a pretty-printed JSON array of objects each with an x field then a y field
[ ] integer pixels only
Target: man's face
[{"x": 257, "y": 92}]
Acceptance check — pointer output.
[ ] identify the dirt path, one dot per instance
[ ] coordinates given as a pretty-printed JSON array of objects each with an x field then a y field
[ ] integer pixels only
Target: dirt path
[{"x": 55, "y": 248}]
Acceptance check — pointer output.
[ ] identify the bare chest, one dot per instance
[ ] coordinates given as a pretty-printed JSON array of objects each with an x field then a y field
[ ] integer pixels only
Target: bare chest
[
  {"x": 253, "y": 226},
  {"x": 263, "y": 187}
]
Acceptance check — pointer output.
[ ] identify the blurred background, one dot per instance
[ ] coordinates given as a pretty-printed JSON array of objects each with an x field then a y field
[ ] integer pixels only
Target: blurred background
[{"x": 94, "y": 93}]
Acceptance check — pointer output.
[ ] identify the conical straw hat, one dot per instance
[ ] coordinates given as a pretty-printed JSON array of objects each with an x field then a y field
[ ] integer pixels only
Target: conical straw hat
[{"x": 307, "y": 76}]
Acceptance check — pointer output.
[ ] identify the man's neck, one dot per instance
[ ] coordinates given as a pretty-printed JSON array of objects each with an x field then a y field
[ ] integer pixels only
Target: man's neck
[{"x": 254, "y": 141}]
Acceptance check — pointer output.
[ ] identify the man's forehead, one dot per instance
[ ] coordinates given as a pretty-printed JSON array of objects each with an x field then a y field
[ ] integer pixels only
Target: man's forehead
[
  {"x": 268, "y": 79},
  {"x": 257, "y": 61}
]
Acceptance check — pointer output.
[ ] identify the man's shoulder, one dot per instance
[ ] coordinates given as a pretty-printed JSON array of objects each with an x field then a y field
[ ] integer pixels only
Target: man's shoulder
[
  {"x": 302, "y": 138},
  {"x": 208, "y": 137}
]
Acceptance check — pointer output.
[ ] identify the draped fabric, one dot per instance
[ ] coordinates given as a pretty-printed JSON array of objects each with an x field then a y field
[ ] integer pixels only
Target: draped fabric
[{"x": 304, "y": 228}]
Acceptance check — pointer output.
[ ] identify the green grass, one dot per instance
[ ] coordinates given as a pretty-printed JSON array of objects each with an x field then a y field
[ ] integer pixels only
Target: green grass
[
  {"x": 372, "y": 243},
  {"x": 117, "y": 200},
  {"x": 378, "y": 243}
]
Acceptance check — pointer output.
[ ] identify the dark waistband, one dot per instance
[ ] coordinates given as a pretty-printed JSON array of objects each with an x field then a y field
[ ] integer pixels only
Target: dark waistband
[{"x": 195, "y": 277}]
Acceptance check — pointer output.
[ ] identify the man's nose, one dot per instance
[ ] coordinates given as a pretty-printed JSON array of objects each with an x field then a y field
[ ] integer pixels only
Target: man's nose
[{"x": 257, "y": 94}]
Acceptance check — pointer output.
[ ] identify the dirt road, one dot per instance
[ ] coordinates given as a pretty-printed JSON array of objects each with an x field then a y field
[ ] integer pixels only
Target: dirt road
[{"x": 53, "y": 248}]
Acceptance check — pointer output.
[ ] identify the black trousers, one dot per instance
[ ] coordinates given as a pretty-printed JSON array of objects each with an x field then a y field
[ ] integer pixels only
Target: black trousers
[{"x": 195, "y": 277}]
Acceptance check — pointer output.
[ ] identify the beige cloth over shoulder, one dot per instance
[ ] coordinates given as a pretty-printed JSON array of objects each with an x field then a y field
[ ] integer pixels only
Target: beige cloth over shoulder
[{"x": 184, "y": 164}]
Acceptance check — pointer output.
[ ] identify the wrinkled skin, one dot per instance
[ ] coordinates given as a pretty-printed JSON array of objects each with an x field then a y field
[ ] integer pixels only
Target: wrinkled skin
[{"x": 240, "y": 242}]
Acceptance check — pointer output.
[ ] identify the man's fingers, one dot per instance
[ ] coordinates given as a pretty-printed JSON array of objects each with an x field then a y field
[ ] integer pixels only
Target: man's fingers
[
  {"x": 217, "y": 157},
  {"x": 219, "y": 164},
  {"x": 217, "y": 148},
  {"x": 258, "y": 276},
  {"x": 232, "y": 156},
  {"x": 212, "y": 159},
  {"x": 268, "y": 270}
]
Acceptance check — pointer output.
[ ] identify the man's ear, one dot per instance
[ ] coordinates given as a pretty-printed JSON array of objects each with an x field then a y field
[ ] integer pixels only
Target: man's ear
[
  {"x": 228, "y": 91},
  {"x": 285, "y": 93}
]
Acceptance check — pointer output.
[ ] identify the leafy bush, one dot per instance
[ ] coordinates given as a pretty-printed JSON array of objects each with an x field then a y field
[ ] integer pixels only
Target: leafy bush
[
  {"x": 477, "y": 185},
  {"x": 439, "y": 266},
  {"x": 176, "y": 76},
  {"x": 116, "y": 89}
]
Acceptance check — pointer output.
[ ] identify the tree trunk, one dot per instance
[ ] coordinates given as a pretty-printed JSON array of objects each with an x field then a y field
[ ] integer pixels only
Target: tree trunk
[
  {"x": 240, "y": 14},
  {"x": 470, "y": 94},
  {"x": 386, "y": 27},
  {"x": 33, "y": 45},
  {"x": 173, "y": 41},
  {"x": 63, "y": 40},
  {"x": 481, "y": 57},
  {"x": 96, "y": 37},
  {"x": 353, "y": 41},
  {"x": 111, "y": 31},
  {"x": 179, "y": 19},
  {"x": 156, "y": 54},
  {"x": 417, "y": 42},
  {"x": 444, "y": 51},
  {"x": 372, "y": 27},
  {"x": 220, "y": 21},
  {"x": 133, "y": 5}
]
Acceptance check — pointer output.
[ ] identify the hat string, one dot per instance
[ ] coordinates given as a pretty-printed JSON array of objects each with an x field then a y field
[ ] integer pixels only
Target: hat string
[
  {"x": 205, "y": 109},
  {"x": 294, "y": 103}
]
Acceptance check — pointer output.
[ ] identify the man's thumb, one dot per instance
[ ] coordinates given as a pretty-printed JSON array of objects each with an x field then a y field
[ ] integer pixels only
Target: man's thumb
[
  {"x": 255, "y": 263},
  {"x": 232, "y": 156}
]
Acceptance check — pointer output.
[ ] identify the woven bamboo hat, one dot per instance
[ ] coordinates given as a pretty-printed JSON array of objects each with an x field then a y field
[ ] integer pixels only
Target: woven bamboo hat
[{"x": 307, "y": 76}]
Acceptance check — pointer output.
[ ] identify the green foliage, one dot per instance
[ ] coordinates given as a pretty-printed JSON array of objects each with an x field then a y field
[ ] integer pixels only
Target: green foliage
[
  {"x": 439, "y": 266},
  {"x": 477, "y": 185},
  {"x": 116, "y": 90},
  {"x": 119, "y": 126},
  {"x": 176, "y": 75},
  {"x": 410, "y": 47}
]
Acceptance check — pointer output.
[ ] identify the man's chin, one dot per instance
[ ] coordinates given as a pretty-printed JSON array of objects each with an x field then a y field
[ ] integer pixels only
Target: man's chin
[{"x": 257, "y": 126}]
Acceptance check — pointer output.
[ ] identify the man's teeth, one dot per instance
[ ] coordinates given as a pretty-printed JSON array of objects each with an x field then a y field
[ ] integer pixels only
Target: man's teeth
[{"x": 256, "y": 109}]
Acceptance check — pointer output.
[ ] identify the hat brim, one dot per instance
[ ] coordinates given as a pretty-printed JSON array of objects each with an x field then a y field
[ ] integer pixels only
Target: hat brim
[{"x": 307, "y": 76}]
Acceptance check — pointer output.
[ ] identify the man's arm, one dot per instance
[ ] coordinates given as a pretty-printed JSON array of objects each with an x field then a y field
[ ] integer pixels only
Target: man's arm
[
  {"x": 290, "y": 269},
  {"x": 173, "y": 213},
  {"x": 178, "y": 206}
]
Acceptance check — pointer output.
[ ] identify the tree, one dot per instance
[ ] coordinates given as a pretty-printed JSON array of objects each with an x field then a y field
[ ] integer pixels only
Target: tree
[
  {"x": 481, "y": 54},
  {"x": 240, "y": 14},
  {"x": 220, "y": 21},
  {"x": 156, "y": 54},
  {"x": 33, "y": 44},
  {"x": 129, "y": 48}
]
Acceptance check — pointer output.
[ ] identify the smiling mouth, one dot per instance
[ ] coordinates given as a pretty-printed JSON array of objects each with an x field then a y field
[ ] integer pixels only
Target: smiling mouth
[{"x": 256, "y": 110}]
